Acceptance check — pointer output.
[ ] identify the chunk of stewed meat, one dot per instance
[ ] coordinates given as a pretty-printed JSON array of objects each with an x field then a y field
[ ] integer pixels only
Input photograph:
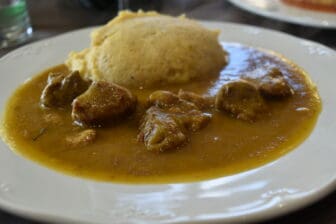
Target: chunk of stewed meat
[
  {"x": 202, "y": 102},
  {"x": 168, "y": 112},
  {"x": 61, "y": 89},
  {"x": 274, "y": 84},
  {"x": 160, "y": 132},
  {"x": 192, "y": 120},
  {"x": 82, "y": 138},
  {"x": 103, "y": 101},
  {"x": 241, "y": 99},
  {"x": 166, "y": 99},
  {"x": 185, "y": 112}
]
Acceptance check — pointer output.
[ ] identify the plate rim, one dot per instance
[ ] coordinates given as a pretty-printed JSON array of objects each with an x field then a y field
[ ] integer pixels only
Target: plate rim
[{"x": 308, "y": 199}]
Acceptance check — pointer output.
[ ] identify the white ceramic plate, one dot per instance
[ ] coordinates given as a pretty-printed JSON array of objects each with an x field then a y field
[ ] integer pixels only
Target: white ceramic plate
[
  {"x": 276, "y": 9},
  {"x": 295, "y": 180}
]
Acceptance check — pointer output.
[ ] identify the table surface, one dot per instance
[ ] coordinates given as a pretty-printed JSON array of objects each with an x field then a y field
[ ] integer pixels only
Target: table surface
[{"x": 53, "y": 17}]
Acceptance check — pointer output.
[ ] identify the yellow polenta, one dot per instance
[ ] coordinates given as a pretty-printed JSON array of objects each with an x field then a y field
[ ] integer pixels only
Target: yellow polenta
[{"x": 148, "y": 49}]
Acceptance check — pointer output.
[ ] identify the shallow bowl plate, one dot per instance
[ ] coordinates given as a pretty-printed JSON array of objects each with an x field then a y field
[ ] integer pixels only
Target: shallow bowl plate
[
  {"x": 276, "y": 9},
  {"x": 295, "y": 180}
]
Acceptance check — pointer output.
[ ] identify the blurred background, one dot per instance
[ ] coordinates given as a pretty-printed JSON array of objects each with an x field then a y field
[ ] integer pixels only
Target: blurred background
[{"x": 53, "y": 17}]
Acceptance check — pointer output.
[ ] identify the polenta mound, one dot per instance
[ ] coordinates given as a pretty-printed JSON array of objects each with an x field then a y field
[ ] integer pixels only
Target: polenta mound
[{"x": 148, "y": 49}]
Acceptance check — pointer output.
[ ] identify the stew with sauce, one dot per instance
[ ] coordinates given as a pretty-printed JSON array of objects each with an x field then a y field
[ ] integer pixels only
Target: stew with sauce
[{"x": 230, "y": 142}]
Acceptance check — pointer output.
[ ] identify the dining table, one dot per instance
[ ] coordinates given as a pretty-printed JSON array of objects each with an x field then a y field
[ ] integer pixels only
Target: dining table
[{"x": 54, "y": 17}]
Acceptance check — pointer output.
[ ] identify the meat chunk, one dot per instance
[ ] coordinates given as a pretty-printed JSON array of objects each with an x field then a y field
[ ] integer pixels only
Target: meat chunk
[
  {"x": 166, "y": 99},
  {"x": 201, "y": 102},
  {"x": 82, "y": 138},
  {"x": 273, "y": 84},
  {"x": 103, "y": 101},
  {"x": 163, "y": 99},
  {"x": 167, "y": 122},
  {"x": 186, "y": 113},
  {"x": 192, "y": 120},
  {"x": 160, "y": 132},
  {"x": 61, "y": 89},
  {"x": 241, "y": 99}
]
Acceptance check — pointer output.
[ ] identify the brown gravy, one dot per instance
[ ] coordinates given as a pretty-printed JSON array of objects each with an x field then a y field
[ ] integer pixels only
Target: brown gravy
[{"x": 226, "y": 146}]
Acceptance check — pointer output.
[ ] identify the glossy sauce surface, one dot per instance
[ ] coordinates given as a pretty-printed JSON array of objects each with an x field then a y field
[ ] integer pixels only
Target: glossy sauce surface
[{"x": 226, "y": 146}]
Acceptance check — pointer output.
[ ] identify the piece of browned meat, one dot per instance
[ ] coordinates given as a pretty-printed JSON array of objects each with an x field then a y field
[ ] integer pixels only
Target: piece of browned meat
[
  {"x": 160, "y": 132},
  {"x": 61, "y": 89},
  {"x": 82, "y": 138},
  {"x": 273, "y": 84},
  {"x": 103, "y": 101},
  {"x": 185, "y": 112},
  {"x": 169, "y": 119},
  {"x": 241, "y": 99},
  {"x": 201, "y": 102},
  {"x": 165, "y": 99},
  {"x": 193, "y": 120}
]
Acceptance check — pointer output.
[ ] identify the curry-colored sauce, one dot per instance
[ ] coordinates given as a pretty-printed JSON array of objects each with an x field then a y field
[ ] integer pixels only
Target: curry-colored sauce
[{"x": 226, "y": 146}]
